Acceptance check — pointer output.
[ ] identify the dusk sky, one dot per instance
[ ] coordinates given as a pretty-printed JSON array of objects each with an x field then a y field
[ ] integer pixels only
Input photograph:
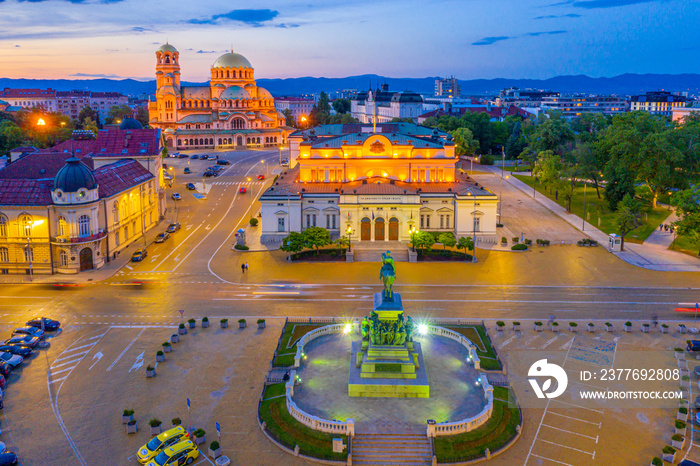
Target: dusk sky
[{"x": 397, "y": 38}]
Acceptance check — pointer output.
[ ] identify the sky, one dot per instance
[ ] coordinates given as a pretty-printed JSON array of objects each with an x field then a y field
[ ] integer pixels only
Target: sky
[{"x": 469, "y": 39}]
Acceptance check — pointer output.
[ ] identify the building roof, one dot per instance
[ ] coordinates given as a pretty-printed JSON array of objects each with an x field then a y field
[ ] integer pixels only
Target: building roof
[
  {"x": 27, "y": 93},
  {"x": 196, "y": 92},
  {"x": 39, "y": 165},
  {"x": 130, "y": 123},
  {"x": 114, "y": 142},
  {"x": 15, "y": 192},
  {"x": 357, "y": 139},
  {"x": 24, "y": 149},
  {"x": 119, "y": 176},
  {"x": 197, "y": 118},
  {"x": 166, "y": 48},
  {"x": 234, "y": 92},
  {"x": 659, "y": 96},
  {"x": 408, "y": 129},
  {"x": 74, "y": 176},
  {"x": 232, "y": 60},
  {"x": 407, "y": 97}
]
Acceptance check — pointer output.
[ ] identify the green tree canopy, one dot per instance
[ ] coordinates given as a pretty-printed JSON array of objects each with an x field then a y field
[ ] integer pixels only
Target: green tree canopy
[
  {"x": 117, "y": 113},
  {"x": 465, "y": 142},
  {"x": 289, "y": 119},
  {"x": 628, "y": 216},
  {"x": 341, "y": 105},
  {"x": 447, "y": 239},
  {"x": 316, "y": 237},
  {"x": 294, "y": 242},
  {"x": 423, "y": 241},
  {"x": 466, "y": 243},
  {"x": 688, "y": 208},
  {"x": 88, "y": 112}
]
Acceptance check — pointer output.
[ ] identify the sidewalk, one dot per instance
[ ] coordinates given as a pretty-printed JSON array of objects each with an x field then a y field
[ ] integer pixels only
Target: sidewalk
[
  {"x": 90, "y": 276},
  {"x": 653, "y": 254}
]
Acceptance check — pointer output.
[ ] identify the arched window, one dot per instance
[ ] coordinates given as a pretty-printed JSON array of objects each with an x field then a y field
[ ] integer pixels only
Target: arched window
[
  {"x": 115, "y": 212},
  {"x": 25, "y": 226},
  {"x": 62, "y": 225},
  {"x": 63, "y": 258},
  {"x": 167, "y": 59},
  {"x": 28, "y": 254},
  {"x": 125, "y": 209},
  {"x": 3, "y": 226},
  {"x": 84, "y": 225},
  {"x": 4, "y": 255}
]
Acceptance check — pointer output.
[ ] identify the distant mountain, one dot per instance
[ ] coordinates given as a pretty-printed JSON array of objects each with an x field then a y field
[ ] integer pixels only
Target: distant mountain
[{"x": 625, "y": 84}]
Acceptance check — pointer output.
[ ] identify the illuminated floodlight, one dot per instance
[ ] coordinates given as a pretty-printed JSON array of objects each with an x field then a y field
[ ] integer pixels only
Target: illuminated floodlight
[
  {"x": 478, "y": 381},
  {"x": 347, "y": 329},
  {"x": 423, "y": 329}
]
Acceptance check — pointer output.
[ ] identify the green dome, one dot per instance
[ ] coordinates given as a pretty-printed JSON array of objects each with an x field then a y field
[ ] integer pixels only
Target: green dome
[
  {"x": 232, "y": 60},
  {"x": 167, "y": 48}
]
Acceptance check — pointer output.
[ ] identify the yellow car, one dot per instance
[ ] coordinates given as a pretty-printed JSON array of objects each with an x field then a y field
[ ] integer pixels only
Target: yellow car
[
  {"x": 158, "y": 443},
  {"x": 181, "y": 453}
]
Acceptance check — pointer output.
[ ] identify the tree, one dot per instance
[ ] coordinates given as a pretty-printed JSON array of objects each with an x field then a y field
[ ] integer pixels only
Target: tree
[
  {"x": 118, "y": 112},
  {"x": 342, "y": 242},
  {"x": 142, "y": 116},
  {"x": 466, "y": 243},
  {"x": 90, "y": 125},
  {"x": 628, "y": 217},
  {"x": 342, "y": 118},
  {"x": 423, "y": 241},
  {"x": 516, "y": 142},
  {"x": 289, "y": 119},
  {"x": 591, "y": 163},
  {"x": 316, "y": 237},
  {"x": 293, "y": 243},
  {"x": 11, "y": 136},
  {"x": 88, "y": 112},
  {"x": 548, "y": 170},
  {"x": 465, "y": 142},
  {"x": 447, "y": 239},
  {"x": 341, "y": 105},
  {"x": 552, "y": 134},
  {"x": 688, "y": 208},
  {"x": 620, "y": 184},
  {"x": 323, "y": 104}
]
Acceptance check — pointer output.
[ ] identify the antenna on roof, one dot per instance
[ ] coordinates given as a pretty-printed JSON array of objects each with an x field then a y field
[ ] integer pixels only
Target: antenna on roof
[{"x": 232, "y": 48}]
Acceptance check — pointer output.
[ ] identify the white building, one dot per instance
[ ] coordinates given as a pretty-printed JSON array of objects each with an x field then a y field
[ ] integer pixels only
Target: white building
[{"x": 381, "y": 105}]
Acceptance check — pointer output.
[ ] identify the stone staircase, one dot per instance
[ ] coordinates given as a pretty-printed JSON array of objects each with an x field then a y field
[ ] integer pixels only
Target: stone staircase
[
  {"x": 372, "y": 252},
  {"x": 387, "y": 449}
]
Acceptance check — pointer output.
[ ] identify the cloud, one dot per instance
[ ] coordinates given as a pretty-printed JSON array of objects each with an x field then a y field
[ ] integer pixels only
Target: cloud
[
  {"x": 207, "y": 51},
  {"x": 17, "y": 45},
  {"x": 96, "y": 75},
  {"x": 75, "y": 2},
  {"x": 251, "y": 17},
  {"x": 494, "y": 39},
  {"x": 140, "y": 29},
  {"x": 570, "y": 15},
  {"x": 491, "y": 40},
  {"x": 287, "y": 26},
  {"x": 593, "y": 4}
]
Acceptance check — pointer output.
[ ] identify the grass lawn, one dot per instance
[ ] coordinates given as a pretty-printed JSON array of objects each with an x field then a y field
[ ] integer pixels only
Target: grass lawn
[
  {"x": 521, "y": 168},
  {"x": 477, "y": 335},
  {"x": 291, "y": 333},
  {"x": 290, "y": 432},
  {"x": 685, "y": 245},
  {"x": 598, "y": 209},
  {"x": 497, "y": 432}
]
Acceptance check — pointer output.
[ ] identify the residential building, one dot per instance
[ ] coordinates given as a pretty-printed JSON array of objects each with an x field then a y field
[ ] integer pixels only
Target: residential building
[
  {"x": 60, "y": 214},
  {"x": 231, "y": 111},
  {"x": 572, "y": 105},
  {"x": 680, "y": 113},
  {"x": 382, "y": 181},
  {"x": 525, "y": 98},
  {"x": 382, "y": 105},
  {"x": 448, "y": 87},
  {"x": 102, "y": 102},
  {"x": 299, "y": 106},
  {"x": 44, "y": 99},
  {"x": 495, "y": 113},
  {"x": 658, "y": 102}
]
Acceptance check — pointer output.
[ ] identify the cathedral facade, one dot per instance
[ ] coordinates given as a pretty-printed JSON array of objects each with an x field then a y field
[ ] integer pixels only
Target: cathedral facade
[{"x": 230, "y": 112}]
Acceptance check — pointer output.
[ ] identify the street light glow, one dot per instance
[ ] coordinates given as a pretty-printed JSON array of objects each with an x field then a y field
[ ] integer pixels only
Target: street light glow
[
  {"x": 40, "y": 122},
  {"x": 347, "y": 329},
  {"x": 423, "y": 329}
]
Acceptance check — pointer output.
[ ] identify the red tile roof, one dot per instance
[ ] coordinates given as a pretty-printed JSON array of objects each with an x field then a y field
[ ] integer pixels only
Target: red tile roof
[
  {"x": 119, "y": 176},
  {"x": 28, "y": 93},
  {"x": 116, "y": 142},
  {"x": 25, "y": 192},
  {"x": 39, "y": 165}
]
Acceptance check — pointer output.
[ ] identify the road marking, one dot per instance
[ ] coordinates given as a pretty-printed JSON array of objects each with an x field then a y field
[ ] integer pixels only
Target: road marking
[
  {"x": 549, "y": 342},
  {"x": 139, "y": 362},
  {"x": 153, "y": 259},
  {"x": 570, "y": 448},
  {"x": 79, "y": 347},
  {"x": 126, "y": 349},
  {"x": 129, "y": 267},
  {"x": 537, "y": 433},
  {"x": 53, "y": 381},
  {"x": 508, "y": 341},
  {"x": 62, "y": 370},
  {"x": 577, "y": 406},
  {"x": 97, "y": 356},
  {"x": 574, "y": 433},
  {"x": 567, "y": 345},
  {"x": 178, "y": 246},
  {"x": 76, "y": 355},
  {"x": 577, "y": 419},
  {"x": 550, "y": 459}
]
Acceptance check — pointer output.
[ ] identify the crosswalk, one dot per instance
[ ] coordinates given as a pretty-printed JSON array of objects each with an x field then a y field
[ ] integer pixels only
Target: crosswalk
[{"x": 70, "y": 358}]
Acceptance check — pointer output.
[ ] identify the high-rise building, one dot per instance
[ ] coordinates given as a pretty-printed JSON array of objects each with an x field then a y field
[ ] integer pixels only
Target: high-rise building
[
  {"x": 572, "y": 105},
  {"x": 657, "y": 102},
  {"x": 448, "y": 87}
]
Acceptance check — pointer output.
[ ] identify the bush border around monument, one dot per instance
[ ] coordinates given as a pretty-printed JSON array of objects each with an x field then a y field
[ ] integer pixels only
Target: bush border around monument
[
  {"x": 488, "y": 356},
  {"x": 284, "y": 356},
  {"x": 287, "y": 433},
  {"x": 497, "y": 435}
]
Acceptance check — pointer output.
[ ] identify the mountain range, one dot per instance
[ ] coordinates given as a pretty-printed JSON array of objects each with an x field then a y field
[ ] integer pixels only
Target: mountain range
[{"x": 624, "y": 84}]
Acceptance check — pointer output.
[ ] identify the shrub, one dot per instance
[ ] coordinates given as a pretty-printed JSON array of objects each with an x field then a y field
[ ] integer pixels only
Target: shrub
[
  {"x": 205, "y": 319},
  {"x": 645, "y": 325},
  {"x": 486, "y": 159},
  {"x": 515, "y": 239},
  {"x": 500, "y": 323},
  {"x": 159, "y": 353},
  {"x": 518, "y": 247},
  {"x": 191, "y": 321},
  {"x": 678, "y": 350},
  {"x": 261, "y": 321},
  {"x": 223, "y": 321},
  {"x": 241, "y": 247},
  {"x": 538, "y": 242},
  {"x": 683, "y": 410},
  {"x": 253, "y": 222},
  {"x": 214, "y": 445},
  {"x": 608, "y": 324},
  {"x": 499, "y": 225},
  {"x": 504, "y": 240},
  {"x": 176, "y": 421},
  {"x": 545, "y": 242},
  {"x": 539, "y": 324},
  {"x": 669, "y": 450},
  {"x": 150, "y": 368},
  {"x": 555, "y": 324},
  {"x": 628, "y": 324},
  {"x": 200, "y": 433},
  {"x": 166, "y": 344},
  {"x": 241, "y": 321},
  {"x": 677, "y": 437},
  {"x": 516, "y": 323},
  {"x": 685, "y": 378},
  {"x": 528, "y": 242},
  {"x": 573, "y": 324},
  {"x": 664, "y": 325},
  {"x": 680, "y": 424},
  {"x": 181, "y": 326},
  {"x": 128, "y": 412},
  {"x": 591, "y": 324},
  {"x": 155, "y": 422},
  {"x": 657, "y": 461}
]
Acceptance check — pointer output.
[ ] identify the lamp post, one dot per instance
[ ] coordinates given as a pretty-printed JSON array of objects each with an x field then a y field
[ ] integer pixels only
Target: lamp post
[
  {"x": 412, "y": 231},
  {"x": 303, "y": 120},
  {"x": 349, "y": 232},
  {"x": 265, "y": 165},
  {"x": 583, "y": 223}
]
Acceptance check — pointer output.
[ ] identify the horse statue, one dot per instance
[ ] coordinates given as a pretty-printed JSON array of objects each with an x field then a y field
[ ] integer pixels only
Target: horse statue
[{"x": 387, "y": 274}]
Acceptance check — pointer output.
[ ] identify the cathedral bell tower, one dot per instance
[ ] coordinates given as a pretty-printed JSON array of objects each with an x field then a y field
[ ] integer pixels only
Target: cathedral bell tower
[{"x": 167, "y": 66}]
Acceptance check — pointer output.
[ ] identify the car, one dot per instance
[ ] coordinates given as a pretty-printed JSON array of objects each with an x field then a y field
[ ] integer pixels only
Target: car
[
  {"x": 693, "y": 346},
  {"x": 187, "y": 170},
  {"x": 49, "y": 324},
  {"x": 688, "y": 463},
  {"x": 176, "y": 196},
  {"x": 162, "y": 237},
  {"x": 8, "y": 459},
  {"x": 217, "y": 168},
  {"x": 181, "y": 156},
  {"x": 242, "y": 190},
  {"x": 161, "y": 442},
  {"x": 33, "y": 331},
  {"x": 184, "y": 452},
  {"x": 173, "y": 227},
  {"x": 194, "y": 156},
  {"x": 285, "y": 163},
  {"x": 5, "y": 369},
  {"x": 3, "y": 381},
  {"x": 12, "y": 359},
  {"x": 139, "y": 255},
  {"x": 23, "y": 340},
  {"x": 18, "y": 350},
  {"x": 165, "y": 166},
  {"x": 223, "y": 162},
  {"x": 261, "y": 177},
  {"x": 190, "y": 186},
  {"x": 210, "y": 173}
]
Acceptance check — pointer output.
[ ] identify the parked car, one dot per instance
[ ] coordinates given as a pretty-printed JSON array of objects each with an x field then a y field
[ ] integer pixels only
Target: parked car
[
  {"x": 173, "y": 227},
  {"x": 697, "y": 418},
  {"x": 167, "y": 177},
  {"x": 18, "y": 350},
  {"x": 176, "y": 196},
  {"x": 187, "y": 170},
  {"x": 139, "y": 255},
  {"x": 285, "y": 163},
  {"x": 162, "y": 237},
  {"x": 190, "y": 186},
  {"x": 185, "y": 452},
  {"x": 23, "y": 340},
  {"x": 210, "y": 173},
  {"x": 194, "y": 156},
  {"x": 242, "y": 190},
  {"x": 182, "y": 156},
  {"x": 3, "y": 381},
  {"x": 49, "y": 324},
  {"x": 693, "y": 346},
  {"x": 161, "y": 442},
  {"x": 33, "y": 331},
  {"x": 5, "y": 369},
  {"x": 12, "y": 359},
  {"x": 261, "y": 177},
  {"x": 223, "y": 162},
  {"x": 8, "y": 459}
]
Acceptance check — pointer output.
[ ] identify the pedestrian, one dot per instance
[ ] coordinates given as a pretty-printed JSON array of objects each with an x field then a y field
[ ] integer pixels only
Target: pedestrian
[
  {"x": 655, "y": 320},
  {"x": 671, "y": 229},
  {"x": 661, "y": 227},
  {"x": 665, "y": 227},
  {"x": 243, "y": 268},
  {"x": 246, "y": 266}
]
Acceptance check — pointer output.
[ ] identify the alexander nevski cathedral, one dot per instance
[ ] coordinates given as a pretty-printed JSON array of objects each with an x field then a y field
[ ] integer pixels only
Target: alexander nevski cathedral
[{"x": 231, "y": 112}]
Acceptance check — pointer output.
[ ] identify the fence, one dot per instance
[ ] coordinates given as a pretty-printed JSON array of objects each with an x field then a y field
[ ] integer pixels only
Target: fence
[
  {"x": 313, "y": 422},
  {"x": 468, "y": 424},
  {"x": 444, "y": 332},
  {"x": 327, "y": 330}
]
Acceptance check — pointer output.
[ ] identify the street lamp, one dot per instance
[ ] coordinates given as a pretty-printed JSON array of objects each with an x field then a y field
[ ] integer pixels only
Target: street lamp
[
  {"x": 303, "y": 119},
  {"x": 412, "y": 231},
  {"x": 349, "y": 232},
  {"x": 265, "y": 165}
]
